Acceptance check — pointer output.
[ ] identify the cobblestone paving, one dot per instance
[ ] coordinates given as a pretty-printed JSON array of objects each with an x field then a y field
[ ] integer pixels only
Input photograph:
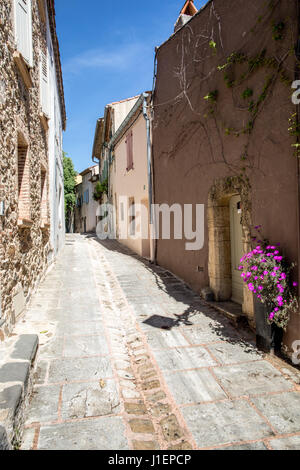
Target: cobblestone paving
[{"x": 131, "y": 358}]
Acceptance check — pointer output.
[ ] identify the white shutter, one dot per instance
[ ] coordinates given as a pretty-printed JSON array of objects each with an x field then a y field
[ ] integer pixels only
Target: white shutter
[
  {"x": 44, "y": 83},
  {"x": 23, "y": 28}
]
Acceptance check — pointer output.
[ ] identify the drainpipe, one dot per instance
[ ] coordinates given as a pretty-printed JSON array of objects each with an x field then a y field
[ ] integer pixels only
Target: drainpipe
[{"x": 150, "y": 183}]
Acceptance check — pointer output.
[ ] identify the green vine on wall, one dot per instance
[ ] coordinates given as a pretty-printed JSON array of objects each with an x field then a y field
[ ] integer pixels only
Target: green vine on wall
[{"x": 274, "y": 67}]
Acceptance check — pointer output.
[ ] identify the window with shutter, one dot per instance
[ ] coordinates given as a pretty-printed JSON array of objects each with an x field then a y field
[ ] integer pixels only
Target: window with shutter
[
  {"x": 23, "y": 29},
  {"x": 129, "y": 146},
  {"x": 44, "y": 83}
]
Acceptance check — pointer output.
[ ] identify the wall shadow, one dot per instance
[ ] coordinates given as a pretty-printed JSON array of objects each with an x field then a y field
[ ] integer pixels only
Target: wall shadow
[{"x": 194, "y": 307}]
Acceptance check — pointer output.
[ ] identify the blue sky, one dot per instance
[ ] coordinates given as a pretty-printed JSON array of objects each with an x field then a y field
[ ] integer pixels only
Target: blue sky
[{"x": 107, "y": 53}]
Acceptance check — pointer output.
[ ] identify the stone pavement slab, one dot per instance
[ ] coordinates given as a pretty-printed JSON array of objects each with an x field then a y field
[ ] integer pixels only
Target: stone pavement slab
[
  {"x": 214, "y": 424},
  {"x": 184, "y": 358},
  {"x": 194, "y": 386},
  {"x": 166, "y": 339},
  {"x": 79, "y": 369},
  {"x": 282, "y": 411},
  {"x": 93, "y": 434},
  {"x": 44, "y": 405},
  {"x": 86, "y": 400},
  {"x": 252, "y": 378},
  {"x": 287, "y": 443},
  {"x": 230, "y": 353},
  {"x": 89, "y": 345}
]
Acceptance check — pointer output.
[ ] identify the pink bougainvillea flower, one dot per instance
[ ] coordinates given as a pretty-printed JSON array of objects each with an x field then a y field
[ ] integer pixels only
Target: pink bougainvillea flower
[
  {"x": 273, "y": 274},
  {"x": 251, "y": 286},
  {"x": 262, "y": 277},
  {"x": 270, "y": 254},
  {"x": 283, "y": 276},
  {"x": 276, "y": 309},
  {"x": 295, "y": 284},
  {"x": 255, "y": 277},
  {"x": 280, "y": 301},
  {"x": 254, "y": 268},
  {"x": 272, "y": 315},
  {"x": 266, "y": 273},
  {"x": 276, "y": 252},
  {"x": 260, "y": 287},
  {"x": 258, "y": 296}
]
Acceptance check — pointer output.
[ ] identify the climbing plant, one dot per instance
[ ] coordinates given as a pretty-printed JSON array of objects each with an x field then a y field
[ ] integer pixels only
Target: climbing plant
[{"x": 101, "y": 188}]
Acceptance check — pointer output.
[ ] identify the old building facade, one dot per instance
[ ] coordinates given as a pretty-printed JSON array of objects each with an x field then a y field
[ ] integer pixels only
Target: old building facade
[
  {"x": 85, "y": 212},
  {"x": 222, "y": 105},
  {"x": 32, "y": 117},
  {"x": 124, "y": 135}
]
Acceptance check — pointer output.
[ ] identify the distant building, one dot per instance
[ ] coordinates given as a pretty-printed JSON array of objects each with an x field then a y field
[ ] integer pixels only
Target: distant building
[
  {"x": 33, "y": 116},
  {"x": 85, "y": 213},
  {"x": 123, "y": 145}
]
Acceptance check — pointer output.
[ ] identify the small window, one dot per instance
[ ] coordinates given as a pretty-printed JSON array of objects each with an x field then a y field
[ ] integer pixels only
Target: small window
[
  {"x": 44, "y": 197},
  {"x": 129, "y": 147},
  {"x": 86, "y": 196},
  {"x": 23, "y": 29},
  {"x": 24, "y": 206},
  {"x": 44, "y": 83}
]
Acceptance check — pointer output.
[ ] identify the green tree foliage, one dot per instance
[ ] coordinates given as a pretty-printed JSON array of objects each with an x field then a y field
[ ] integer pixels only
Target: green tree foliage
[
  {"x": 69, "y": 186},
  {"x": 100, "y": 189}
]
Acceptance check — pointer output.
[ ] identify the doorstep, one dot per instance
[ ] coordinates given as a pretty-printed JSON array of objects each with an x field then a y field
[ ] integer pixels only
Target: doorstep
[
  {"x": 17, "y": 355},
  {"x": 231, "y": 310}
]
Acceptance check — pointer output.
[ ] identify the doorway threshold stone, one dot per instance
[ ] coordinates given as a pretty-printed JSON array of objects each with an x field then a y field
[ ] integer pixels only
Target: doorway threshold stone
[{"x": 231, "y": 310}]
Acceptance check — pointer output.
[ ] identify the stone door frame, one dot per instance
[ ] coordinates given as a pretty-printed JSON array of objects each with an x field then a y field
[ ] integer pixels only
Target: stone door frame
[{"x": 219, "y": 244}]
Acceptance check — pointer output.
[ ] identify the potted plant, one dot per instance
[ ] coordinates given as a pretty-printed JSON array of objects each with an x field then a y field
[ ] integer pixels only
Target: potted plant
[{"x": 267, "y": 275}]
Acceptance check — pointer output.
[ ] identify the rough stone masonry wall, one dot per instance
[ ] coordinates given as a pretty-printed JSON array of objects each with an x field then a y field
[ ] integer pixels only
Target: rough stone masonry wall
[{"x": 23, "y": 252}]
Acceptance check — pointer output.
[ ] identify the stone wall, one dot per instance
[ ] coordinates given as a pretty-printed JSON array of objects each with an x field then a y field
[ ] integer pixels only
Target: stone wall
[{"x": 23, "y": 250}]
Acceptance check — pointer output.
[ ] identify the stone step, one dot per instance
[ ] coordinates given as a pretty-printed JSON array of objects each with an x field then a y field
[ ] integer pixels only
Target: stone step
[
  {"x": 231, "y": 310},
  {"x": 17, "y": 355}
]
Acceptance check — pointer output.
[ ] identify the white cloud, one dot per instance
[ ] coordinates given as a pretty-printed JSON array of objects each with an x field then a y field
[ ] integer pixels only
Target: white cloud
[{"x": 120, "y": 58}]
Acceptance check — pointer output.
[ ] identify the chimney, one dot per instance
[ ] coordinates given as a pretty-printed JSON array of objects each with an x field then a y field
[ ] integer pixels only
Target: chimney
[{"x": 187, "y": 12}]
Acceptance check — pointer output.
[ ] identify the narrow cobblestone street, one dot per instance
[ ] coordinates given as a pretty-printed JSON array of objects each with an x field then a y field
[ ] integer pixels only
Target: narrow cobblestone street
[{"x": 130, "y": 358}]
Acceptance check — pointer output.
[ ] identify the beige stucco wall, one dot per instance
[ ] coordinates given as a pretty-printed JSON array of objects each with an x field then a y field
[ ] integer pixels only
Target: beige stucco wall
[
  {"x": 86, "y": 210},
  {"x": 131, "y": 184},
  {"x": 89, "y": 210},
  {"x": 120, "y": 111}
]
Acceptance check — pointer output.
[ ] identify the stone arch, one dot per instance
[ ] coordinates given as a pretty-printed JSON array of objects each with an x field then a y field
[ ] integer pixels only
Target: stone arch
[{"x": 219, "y": 260}]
